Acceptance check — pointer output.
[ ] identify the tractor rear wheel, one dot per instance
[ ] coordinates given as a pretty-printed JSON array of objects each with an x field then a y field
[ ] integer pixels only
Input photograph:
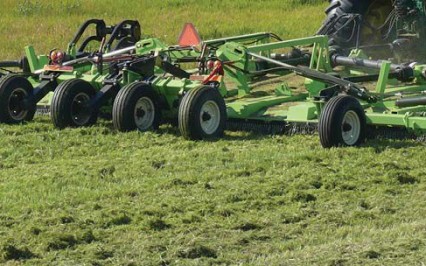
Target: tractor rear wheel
[
  {"x": 202, "y": 114},
  {"x": 136, "y": 107},
  {"x": 342, "y": 122},
  {"x": 14, "y": 90},
  {"x": 70, "y": 104},
  {"x": 340, "y": 24}
]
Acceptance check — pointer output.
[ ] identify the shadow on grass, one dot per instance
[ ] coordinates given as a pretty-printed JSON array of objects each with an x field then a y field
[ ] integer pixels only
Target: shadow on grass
[
  {"x": 380, "y": 143},
  {"x": 171, "y": 129},
  {"x": 228, "y": 136}
]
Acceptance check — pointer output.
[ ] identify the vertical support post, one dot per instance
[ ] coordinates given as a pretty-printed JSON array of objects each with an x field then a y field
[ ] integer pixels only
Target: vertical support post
[
  {"x": 32, "y": 59},
  {"x": 358, "y": 35},
  {"x": 72, "y": 50},
  {"x": 314, "y": 58},
  {"x": 241, "y": 81},
  {"x": 383, "y": 78}
]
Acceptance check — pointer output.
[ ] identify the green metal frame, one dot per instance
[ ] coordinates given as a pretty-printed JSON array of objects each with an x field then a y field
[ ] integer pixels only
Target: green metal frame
[
  {"x": 304, "y": 107},
  {"x": 171, "y": 89},
  {"x": 264, "y": 108},
  {"x": 236, "y": 86}
]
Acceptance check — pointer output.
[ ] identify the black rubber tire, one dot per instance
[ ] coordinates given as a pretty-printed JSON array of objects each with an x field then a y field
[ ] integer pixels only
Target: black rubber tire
[
  {"x": 63, "y": 104},
  {"x": 125, "y": 104},
  {"x": 338, "y": 8},
  {"x": 331, "y": 127},
  {"x": 189, "y": 116},
  {"x": 19, "y": 88}
]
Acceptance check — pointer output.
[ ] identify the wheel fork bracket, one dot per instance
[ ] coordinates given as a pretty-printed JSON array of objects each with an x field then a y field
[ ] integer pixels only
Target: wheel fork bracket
[
  {"x": 39, "y": 92},
  {"x": 107, "y": 92}
]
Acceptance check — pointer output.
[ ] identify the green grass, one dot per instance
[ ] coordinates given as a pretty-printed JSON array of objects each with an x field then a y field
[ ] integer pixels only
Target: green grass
[
  {"x": 52, "y": 24},
  {"x": 93, "y": 196}
]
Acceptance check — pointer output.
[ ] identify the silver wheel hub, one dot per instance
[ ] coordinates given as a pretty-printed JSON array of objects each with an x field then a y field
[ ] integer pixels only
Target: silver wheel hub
[
  {"x": 144, "y": 114},
  {"x": 209, "y": 117},
  {"x": 351, "y": 128},
  {"x": 16, "y": 109}
]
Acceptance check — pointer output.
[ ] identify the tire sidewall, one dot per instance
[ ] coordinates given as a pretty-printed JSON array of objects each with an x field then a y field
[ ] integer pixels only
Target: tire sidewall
[
  {"x": 204, "y": 95},
  {"x": 125, "y": 104},
  {"x": 331, "y": 120},
  {"x": 145, "y": 91},
  {"x": 67, "y": 91},
  {"x": 9, "y": 84},
  {"x": 351, "y": 105}
]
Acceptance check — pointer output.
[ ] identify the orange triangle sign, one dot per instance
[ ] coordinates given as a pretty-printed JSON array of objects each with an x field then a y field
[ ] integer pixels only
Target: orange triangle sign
[{"x": 189, "y": 36}]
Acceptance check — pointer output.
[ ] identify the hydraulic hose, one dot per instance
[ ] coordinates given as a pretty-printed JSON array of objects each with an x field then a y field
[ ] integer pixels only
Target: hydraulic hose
[{"x": 10, "y": 64}]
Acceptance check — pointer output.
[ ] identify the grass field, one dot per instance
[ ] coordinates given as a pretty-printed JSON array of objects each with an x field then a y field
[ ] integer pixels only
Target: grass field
[{"x": 93, "y": 196}]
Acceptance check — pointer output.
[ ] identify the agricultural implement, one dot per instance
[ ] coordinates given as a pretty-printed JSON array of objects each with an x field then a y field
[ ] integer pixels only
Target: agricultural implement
[
  {"x": 21, "y": 93},
  {"x": 345, "y": 94},
  {"x": 340, "y": 106},
  {"x": 342, "y": 96},
  {"x": 254, "y": 81},
  {"x": 204, "y": 103},
  {"x": 77, "y": 101}
]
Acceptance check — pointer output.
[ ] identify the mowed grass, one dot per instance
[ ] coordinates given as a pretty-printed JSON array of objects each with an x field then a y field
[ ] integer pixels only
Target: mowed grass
[{"x": 93, "y": 196}]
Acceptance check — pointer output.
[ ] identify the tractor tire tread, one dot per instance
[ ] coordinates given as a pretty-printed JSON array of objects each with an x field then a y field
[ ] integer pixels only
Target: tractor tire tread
[{"x": 337, "y": 8}]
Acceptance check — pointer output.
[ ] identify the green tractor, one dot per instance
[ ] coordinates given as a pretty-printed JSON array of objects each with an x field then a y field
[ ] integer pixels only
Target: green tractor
[{"x": 381, "y": 28}]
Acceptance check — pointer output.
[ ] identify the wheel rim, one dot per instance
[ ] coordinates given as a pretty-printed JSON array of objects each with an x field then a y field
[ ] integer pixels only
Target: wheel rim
[
  {"x": 79, "y": 112},
  {"x": 210, "y": 117},
  {"x": 16, "y": 109},
  {"x": 144, "y": 113},
  {"x": 351, "y": 128}
]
